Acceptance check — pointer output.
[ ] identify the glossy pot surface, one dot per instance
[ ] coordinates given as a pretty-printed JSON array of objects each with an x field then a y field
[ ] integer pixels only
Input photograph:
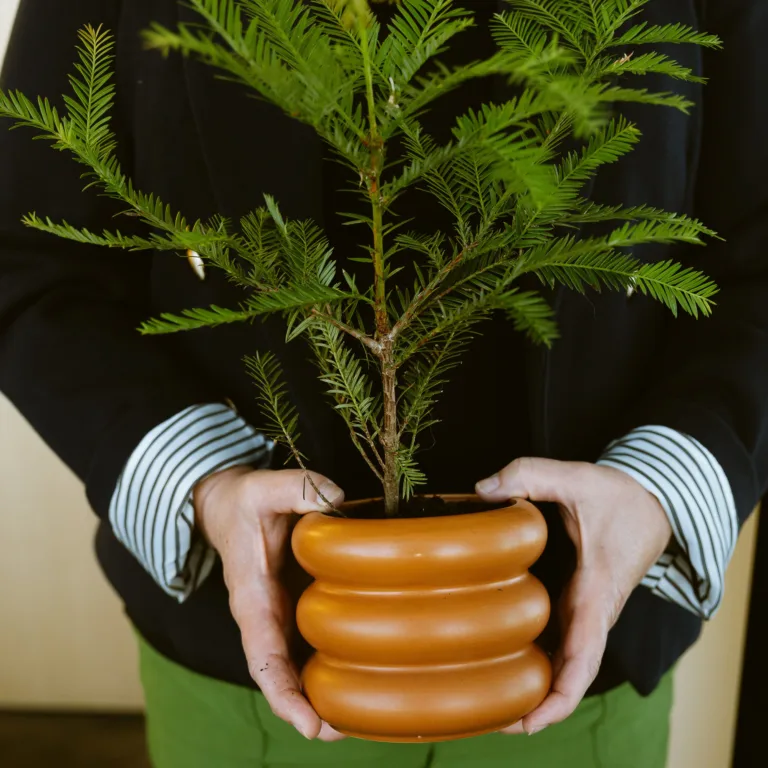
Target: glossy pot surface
[{"x": 424, "y": 628}]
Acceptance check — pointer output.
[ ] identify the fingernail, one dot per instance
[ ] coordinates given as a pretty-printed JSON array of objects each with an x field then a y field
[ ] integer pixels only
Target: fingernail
[
  {"x": 303, "y": 730},
  {"x": 331, "y": 492},
  {"x": 489, "y": 485},
  {"x": 535, "y": 729}
]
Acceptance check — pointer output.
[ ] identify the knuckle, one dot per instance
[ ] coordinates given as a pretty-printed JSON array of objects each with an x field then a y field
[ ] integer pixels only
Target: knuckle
[
  {"x": 512, "y": 471},
  {"x": 236, "y": 607},
  {"x": 593, "y": 667},
  {"x": 280, "y": 703},
  {"x": 239, "y": 601},
  {"x": 256, "y": 668},
  {"x": 244, "y": 605}
]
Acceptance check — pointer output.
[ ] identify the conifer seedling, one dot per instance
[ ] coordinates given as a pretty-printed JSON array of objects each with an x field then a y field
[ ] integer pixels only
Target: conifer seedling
[{"x": 514, "y": 191}]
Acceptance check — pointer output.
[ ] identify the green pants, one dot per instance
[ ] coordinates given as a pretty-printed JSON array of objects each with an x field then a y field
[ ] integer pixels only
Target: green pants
[{"x": 197, "y": 722}]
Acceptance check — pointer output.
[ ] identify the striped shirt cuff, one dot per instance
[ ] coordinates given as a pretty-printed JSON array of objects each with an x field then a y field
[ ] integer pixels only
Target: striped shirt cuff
[
  {"x": 695, "y": 493},
  {"x": 151, "y": 508}
]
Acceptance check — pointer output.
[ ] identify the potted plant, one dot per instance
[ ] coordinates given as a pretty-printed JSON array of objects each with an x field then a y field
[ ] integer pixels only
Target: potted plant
[{"x": 423, "y": 612}]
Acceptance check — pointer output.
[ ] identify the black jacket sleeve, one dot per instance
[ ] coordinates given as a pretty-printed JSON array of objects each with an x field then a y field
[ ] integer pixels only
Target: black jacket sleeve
[
  {"x": 712, "y": 382},
  {"x": 71, "y": 359}
]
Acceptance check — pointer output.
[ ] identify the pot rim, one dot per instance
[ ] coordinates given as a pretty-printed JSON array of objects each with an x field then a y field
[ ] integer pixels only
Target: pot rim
[
  {"x": 502, "y": 505},
  {"x": 350, "y": 550}
]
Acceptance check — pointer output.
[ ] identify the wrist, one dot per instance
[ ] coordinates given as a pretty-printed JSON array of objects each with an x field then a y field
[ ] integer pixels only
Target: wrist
[
  {"x": 209, "y": 500},
  {"x": 664, "y": 535}
]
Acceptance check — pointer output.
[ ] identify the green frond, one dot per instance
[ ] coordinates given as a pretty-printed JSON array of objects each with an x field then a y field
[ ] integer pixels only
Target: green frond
[
  {"x": 580, "y": 265},
  {"x": 42, "y": 116},
  {"x": 589, "y": 212},
  {"x": 531, "y": 314},
  {"x": 106, "y": 239},
  {"x": 676, "y": 287},
  {"x": 643, "y": 64},
  {"x": 644, "y": 34},
  {"x": 289, "y": 298},
  {"x": 333, "y": 16},
  {"x": 287, "y": 53},
  {"x": 258, "y": 69},
  {"x": 674, "y": 228},
  {"x": 425, "y": 162},
  {"x": 564, "y": 19},
  {"x": 262, "y": 247},
  {"x": 89, "y": 107},
  {"x": 517, "y": 33},
  {"x": 431, "y": 246},
  {"x": 595, "y": 263},
  {"x": 616, "y": 94},
  {"x": 198, "y": 239},
  {"x": 440, "y": 79},
  {"x": 612, "y": 15},
  {"x": 409, "y": 475},
  {"x": 494, "y": 142},
  {"x": 349, "y": 385},
  {"x": 424, "y": 378},
  {"x": 429, "y": 163},
  {"x": 606, "y": 146},
  {"x": 460, "y": 309},
  {"x": 286, "y": 299},
  {"x": 281, "y": 416},
  {"x": 192, "y": 319},
  {"x": 418, "y": 31},
  {"x": 289, "y": 29},
  {"x": 85, "y": 129},
  {"x": 343, "y": 373}
]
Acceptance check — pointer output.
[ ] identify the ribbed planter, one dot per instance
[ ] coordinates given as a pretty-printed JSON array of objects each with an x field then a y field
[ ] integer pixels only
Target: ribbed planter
[{"x": 424, "y": 628}]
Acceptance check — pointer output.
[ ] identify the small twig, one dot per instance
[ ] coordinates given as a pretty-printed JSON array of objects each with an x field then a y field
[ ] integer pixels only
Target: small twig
[
  {"x": 426, "y": 293},
  {"x": 368, "y": 341},
  {"x": 307, "y": 477},
  {"x": 365, "y": 455}
]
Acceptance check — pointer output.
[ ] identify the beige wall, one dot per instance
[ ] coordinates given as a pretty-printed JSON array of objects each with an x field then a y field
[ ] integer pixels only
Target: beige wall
[
  {"x": 65, "y": 643},
  {"x": 707, "y": 679},
  {"x": 7, "y": 10}
]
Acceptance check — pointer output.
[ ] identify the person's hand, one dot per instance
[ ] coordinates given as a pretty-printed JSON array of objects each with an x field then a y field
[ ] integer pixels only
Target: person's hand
[
  {"x": 619, "y": 529},
  {"x": 246, "y": 515}
]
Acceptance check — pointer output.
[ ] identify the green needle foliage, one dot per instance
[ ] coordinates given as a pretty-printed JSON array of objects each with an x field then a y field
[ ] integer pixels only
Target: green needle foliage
[{"x": 384, "y": 351}]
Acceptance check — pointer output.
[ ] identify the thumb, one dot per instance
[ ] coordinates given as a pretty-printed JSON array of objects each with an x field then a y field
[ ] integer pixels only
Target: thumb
[
  {"x": 294, "y": 490},
  {"x": 529, "y": 478}
]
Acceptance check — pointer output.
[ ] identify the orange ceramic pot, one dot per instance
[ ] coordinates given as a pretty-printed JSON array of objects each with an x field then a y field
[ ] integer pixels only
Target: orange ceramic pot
[{"x": 424, "y": 628}]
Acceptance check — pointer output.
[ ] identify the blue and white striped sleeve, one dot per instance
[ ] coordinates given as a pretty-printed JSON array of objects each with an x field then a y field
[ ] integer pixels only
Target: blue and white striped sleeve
[
  {"x": 695, "y": 493},
  {"x": 151, "y": 509}
]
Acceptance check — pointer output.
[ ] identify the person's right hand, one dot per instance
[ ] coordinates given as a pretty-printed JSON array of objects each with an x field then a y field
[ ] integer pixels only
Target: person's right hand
[{"x": 246, "y": 515}]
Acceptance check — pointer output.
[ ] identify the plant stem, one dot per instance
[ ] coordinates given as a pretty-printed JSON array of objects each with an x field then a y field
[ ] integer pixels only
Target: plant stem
[
  {"x": 390, "y": 435},
  {"x": 376, "y": 155}
]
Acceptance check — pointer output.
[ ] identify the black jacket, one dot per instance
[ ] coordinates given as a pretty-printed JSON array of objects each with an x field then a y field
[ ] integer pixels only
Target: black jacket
[{"x": 72, "y": 362}]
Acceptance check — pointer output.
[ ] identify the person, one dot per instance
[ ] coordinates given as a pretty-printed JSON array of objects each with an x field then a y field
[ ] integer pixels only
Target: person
[{"x": 647, "y": 433}]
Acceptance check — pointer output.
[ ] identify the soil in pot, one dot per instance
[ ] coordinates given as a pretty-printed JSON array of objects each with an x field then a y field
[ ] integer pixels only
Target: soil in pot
[
  {"x": 418, "y": 506},
  {"x": 424, "y": 626}
]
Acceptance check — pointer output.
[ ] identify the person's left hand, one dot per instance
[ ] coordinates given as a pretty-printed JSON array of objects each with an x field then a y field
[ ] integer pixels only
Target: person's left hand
[{"x": 619, "y": 529}]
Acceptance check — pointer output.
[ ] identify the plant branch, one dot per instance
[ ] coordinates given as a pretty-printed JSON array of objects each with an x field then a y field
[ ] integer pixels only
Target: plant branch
[
  {"x": 363, "y": 338},
  {"x": 427, "y": 292}
]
